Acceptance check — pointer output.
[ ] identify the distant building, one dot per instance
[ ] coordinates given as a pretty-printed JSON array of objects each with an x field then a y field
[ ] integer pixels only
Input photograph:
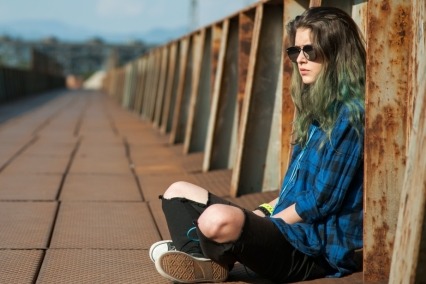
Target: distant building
[{"x": 76, "y": 58}]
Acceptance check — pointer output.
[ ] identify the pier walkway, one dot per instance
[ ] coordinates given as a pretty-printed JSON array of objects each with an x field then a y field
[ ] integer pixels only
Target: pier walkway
[{"x": 79, "y": 185}]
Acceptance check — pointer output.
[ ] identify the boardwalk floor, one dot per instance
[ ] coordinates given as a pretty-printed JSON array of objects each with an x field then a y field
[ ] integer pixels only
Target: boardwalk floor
[{"x": 79, "y": 181}]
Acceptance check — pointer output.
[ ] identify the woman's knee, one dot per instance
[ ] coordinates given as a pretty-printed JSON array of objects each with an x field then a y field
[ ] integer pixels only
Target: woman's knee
[
  {"x": 221, "y": 223},
  {"x": 183, "y": 189}
]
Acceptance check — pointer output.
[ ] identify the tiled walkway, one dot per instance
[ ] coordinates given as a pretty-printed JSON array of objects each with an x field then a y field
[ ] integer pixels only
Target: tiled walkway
[{"x": 79, "y": 181}]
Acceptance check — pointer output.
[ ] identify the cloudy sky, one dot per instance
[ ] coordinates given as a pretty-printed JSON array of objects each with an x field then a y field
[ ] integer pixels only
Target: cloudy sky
[{"x": 118, "y": 16}]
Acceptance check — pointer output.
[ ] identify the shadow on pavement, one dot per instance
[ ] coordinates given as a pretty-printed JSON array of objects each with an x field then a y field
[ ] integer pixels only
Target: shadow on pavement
[{"x": 9, "y": 110}]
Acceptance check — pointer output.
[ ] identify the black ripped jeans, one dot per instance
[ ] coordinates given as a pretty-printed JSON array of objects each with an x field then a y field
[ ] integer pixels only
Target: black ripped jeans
[{"x": 261, "y": 246}]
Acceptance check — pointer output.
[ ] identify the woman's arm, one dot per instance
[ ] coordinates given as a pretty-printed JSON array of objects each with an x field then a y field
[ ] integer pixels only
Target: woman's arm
[{"x": 289, "y": 215}]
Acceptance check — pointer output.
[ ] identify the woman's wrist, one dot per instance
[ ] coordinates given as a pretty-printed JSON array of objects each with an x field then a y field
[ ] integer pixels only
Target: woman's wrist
[{"x": 265, "y": 208}]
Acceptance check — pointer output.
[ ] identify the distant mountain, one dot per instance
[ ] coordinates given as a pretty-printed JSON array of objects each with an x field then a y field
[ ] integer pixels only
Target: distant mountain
[{"x": 39, "y": 29}]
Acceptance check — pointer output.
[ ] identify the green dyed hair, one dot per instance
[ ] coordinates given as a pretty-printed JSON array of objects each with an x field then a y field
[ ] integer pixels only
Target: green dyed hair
[{"x": 339, "y": 45}]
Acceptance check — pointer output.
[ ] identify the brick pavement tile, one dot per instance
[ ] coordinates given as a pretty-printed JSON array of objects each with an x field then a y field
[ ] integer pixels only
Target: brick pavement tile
[
  {"x": 159, "y": 168},
  {"x": 9, "y": 149},
  {"x": 251, "y": 201},
  {"x": 97, "y": 187},
  {"x": 160, "y": 220},
  {"x": 48, "y": 148},
  {"x": 104, "y": 225},
  {"x": 19, "y": 266},
  {"x": 103, "y": 150},
  {"x": 26, "y": 225},
  {"x": 98, "y": 267},
  {"x": 100, "y": 165},
  {"x": 143, "y": 153},
  {"x": 218, "y": 181},
  {"x": 57, "y": 137},
  {"x": 29, "y": 186},
  {"x": 98, "y": 137},
  {"x": 154, "y": 185},
  {"x": 30, "y": 164}
]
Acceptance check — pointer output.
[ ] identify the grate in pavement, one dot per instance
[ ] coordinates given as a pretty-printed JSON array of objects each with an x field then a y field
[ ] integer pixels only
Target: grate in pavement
[
  {"x": 98, "y": 266},
  {"x": 104, "y": 225},
  {"x": 26, "y": 225},
  {"x": 19, "y": 266},
  {"x": 98, "y": 187}
]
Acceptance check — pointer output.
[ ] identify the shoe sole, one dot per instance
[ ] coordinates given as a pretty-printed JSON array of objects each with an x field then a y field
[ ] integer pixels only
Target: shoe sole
[{"x": 183, "y": 268}]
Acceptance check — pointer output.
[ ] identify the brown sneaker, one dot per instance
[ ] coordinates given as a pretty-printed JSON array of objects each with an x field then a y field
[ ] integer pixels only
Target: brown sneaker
[{"x": 184, "y": 268}]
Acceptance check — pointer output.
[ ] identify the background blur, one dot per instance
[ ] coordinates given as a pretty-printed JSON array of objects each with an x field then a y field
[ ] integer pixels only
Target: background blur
[{"x": 83, "y": 35}]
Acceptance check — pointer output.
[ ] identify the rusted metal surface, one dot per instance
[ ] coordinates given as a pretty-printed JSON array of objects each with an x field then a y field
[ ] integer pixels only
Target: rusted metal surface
[
  {"x": 159, "y": 102},
  {"x": 246, "y": 103},
  {"x": 409, "y": 255},
  {"x": 291, "y": 8},
  {"x": 173, "y": 72},
  {"x": 207, "y": 162},
  {"x": 216, "y": 42},
  {"x": 179, "y": 116},
  {"x": 259, "y": 164},
  {"x": 245, "y": 35},
  {"x": 386, "y": 129},
  {"x": 315, "y": 3},
  {"x": 198, "y": 46}
]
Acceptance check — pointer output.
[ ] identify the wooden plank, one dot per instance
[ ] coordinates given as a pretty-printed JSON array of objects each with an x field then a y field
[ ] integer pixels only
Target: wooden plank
[
  {"x": 409, "y": 254},
  {"x": 389, "y": 34}
]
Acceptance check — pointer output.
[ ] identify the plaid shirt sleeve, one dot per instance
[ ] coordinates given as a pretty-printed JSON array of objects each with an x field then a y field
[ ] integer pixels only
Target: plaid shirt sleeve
[{"x": 335, "y": 170}]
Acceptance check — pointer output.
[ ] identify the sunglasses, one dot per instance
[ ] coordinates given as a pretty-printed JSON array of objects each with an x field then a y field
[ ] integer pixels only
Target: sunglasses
[{"x": 308, "y": 51}]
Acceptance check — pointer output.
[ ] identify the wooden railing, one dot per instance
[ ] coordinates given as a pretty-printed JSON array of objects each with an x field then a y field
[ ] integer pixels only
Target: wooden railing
[{"x": 224, "y": 90}]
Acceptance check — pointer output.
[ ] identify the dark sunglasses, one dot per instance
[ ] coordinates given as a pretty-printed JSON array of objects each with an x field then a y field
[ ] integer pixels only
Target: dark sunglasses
[{"x": 308, "y": 51}]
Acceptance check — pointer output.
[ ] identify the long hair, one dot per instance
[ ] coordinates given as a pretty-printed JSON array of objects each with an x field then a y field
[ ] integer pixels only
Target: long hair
[{"x": 339, "y": 45}]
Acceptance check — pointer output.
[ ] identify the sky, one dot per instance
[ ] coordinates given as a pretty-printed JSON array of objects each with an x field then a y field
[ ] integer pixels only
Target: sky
[{"x": 119, "y": 16}]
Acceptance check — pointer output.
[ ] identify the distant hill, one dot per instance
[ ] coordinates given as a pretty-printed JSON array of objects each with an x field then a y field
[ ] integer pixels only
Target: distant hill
[{"x": 39, "y": 29}]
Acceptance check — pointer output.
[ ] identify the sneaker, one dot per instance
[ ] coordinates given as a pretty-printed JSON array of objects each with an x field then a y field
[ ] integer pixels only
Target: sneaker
[
  {"x": 180, "y": 267},
  {"x": 159, "y": 248}
]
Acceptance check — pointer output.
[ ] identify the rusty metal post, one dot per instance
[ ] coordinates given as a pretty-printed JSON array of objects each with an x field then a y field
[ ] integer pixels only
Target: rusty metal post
[
  {"x": 218, "y": 67},
  {"x": 257, "y": 166},
  {"x": 388, "y": 40},
  {"x": 409, "y": 255},
  {"x": 194, "y": 96},
  {"x": 159, "y": 102},
  {"x": 173, "y": 72},
  {"x": 180, "y": 110}
]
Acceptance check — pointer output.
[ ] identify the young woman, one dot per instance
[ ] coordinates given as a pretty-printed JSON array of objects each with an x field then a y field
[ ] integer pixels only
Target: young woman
[{"x": 313, "y": 228}]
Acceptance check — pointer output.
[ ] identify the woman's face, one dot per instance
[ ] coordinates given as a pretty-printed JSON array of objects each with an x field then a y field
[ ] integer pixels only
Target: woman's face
[{"x": 308, "y": 70}]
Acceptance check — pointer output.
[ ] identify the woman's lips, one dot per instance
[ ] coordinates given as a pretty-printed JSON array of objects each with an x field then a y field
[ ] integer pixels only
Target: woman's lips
[{"x": 303, "y": 71}]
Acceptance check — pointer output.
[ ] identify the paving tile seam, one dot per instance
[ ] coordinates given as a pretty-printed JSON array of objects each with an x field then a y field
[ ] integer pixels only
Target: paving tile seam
[
  {"x": 132, "y": 167},
  {"x": 67, "y": 168},
  {"x": 46, "y": 122},
  {"x": 56, "y": 214},
  {"x": 19, "y": 152},
  {"x": 79, "y": 123}
]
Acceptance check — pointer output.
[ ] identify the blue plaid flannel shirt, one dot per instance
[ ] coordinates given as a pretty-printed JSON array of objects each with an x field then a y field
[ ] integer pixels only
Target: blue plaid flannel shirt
[{"x": 326, "y": 183}]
